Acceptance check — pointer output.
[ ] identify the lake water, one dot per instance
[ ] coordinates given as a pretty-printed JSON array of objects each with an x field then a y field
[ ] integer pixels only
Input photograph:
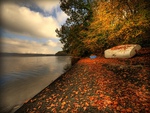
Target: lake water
[{"x": 23, "y": 77}]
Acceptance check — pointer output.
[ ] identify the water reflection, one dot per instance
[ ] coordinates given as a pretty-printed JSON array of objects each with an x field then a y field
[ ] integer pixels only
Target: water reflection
[{"x": 23, "y": 77}]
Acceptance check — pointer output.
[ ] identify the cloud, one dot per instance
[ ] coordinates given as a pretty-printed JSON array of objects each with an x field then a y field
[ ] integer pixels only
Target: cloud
[
  {"x": 23, "y": 21},
  {"x": 51, "y": 43},
  {"x": 26, "y": 22},
  {"x": 14, "y": 45},
  {"x": 61, "y": 17}
]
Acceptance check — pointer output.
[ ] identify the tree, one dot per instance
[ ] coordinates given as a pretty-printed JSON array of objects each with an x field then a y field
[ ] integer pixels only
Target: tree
[
  {"x": 118, "y": 22},
  {"x": 80, "y": 14},
  {"x": 135, "y": 23}
]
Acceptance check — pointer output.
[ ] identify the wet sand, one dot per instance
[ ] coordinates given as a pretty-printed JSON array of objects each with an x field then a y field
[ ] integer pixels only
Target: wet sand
[{"x": 98, "y": 86}]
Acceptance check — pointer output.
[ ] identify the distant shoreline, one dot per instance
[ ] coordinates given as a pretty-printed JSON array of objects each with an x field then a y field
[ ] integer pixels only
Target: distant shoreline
[{"x": 26, "y": 54}]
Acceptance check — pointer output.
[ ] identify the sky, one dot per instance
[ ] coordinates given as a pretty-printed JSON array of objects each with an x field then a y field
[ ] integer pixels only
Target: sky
[{"x": 29, "y": 26}]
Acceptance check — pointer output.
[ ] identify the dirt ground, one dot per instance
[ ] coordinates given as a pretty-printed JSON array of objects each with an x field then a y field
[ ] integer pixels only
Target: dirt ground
[{"x": 98, "y": 86}]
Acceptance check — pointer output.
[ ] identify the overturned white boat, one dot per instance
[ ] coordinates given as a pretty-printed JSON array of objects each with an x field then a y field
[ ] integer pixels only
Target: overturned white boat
[{"x": 122, "y": 51}]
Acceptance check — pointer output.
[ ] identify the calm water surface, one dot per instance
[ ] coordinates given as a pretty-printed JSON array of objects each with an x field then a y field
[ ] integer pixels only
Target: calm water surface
[{"x": 23, "y": 77}]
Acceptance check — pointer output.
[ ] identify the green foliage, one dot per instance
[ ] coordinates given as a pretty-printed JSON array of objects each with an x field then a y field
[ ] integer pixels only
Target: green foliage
[
  {"x": 61, "y": 53},
  {"x": 94, "y": 25},
  {"x": 80, "y": 15}
]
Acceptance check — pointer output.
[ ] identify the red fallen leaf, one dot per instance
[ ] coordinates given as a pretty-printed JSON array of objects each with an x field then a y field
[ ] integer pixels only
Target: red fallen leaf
[
  {"x": 101, "y": 95},
  {"x": 47, "y": 89},
  {"x": 60, "y": 99},
  {"x": 118, "y": 108},
  {"x": 76, "y": 98},
  {"x": 123, "y": 110},
  {"x": 147, "y": 109},
  {"x": 84, "y": 108},
  {"x": 63, "y": 103},
  {"x": 50, "y": 98},
  {"x": 52, "y": 105},
  {"x": 39, "y": 107},
  {"x": 43, "y": 96},
  {"x": 98, "y": 91},
  {"x": 47, "y": 100},
  {"x": 62, "y": 106},
  {"x": 33, "y": 100},
  {"x": 138, "y": 93},
  {"x": 114, "y": 106},
  {"x": 66, "y": 97},
  {"x": 34, "y": 108},
  {"x": 54, "y": 110},
  {"x": 48, "y": 107},
  {"x": 76, "y": 92},
  {"x": 86, "y": 104},
  {"x": 76, "y": 105},
  {"x": 91, "y": 98},
  {"x": 108, "y": 102},
  {"x": 100, "y": 107},
  {"x": 94, "y": 104},
  {"x": 115, "y": 103},
  {"x": 129, "y": 110},
  {"x": 99, "y": 102}
]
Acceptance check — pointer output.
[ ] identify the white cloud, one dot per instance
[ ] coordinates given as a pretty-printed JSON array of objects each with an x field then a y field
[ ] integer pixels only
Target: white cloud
[
  {"x": 24, "y": 21},
  {"x": 51, "y": 43},
  {"x": 61, "y": 17},
  {"x": 14, "y": 45},
  {"x": 49, "y": 6}
]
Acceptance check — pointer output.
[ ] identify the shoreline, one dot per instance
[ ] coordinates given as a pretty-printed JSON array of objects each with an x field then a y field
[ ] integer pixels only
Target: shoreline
[{"x": 97, "y": 85}]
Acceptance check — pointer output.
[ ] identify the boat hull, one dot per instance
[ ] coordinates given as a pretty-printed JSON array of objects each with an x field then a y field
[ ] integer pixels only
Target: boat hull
[{"x": 122, "y": 51}]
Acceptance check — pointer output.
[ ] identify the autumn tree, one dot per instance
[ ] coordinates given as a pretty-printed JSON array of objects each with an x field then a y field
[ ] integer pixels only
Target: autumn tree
[
  {"x": 135, "y": 24},
  {"x": 118, "y": 22}
]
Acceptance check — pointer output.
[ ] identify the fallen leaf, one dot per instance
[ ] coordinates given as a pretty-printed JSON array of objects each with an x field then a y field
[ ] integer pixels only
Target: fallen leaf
[
  {"x": 101, "y": 95},
  {"x": 129, "y": 110},
  {"x": 84, "y": 108},
  {"x": 63, "y": 103}
]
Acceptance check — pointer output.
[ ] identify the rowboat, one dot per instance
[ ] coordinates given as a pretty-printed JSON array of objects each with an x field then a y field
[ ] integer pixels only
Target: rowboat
[
  {"x": 122, "y": 51},
  {"x": 93, "y": 56}
]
